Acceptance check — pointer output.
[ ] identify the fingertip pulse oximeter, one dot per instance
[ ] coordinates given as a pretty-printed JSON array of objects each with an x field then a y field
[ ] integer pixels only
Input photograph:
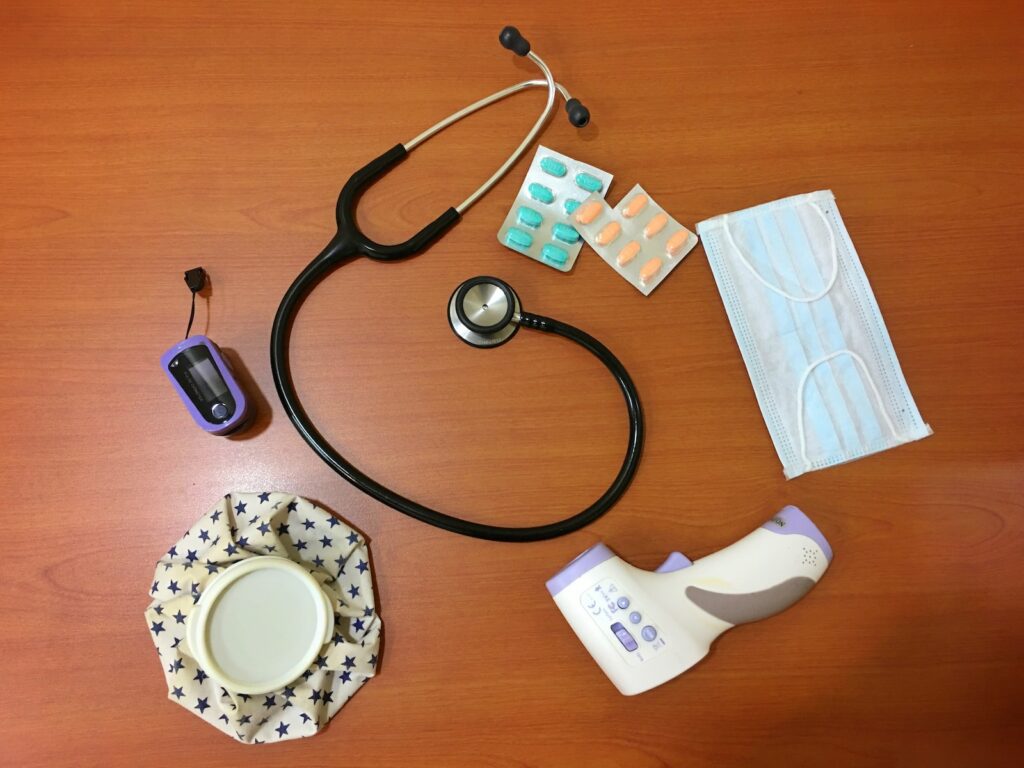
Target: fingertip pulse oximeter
[{"x": 204, "y": 382}]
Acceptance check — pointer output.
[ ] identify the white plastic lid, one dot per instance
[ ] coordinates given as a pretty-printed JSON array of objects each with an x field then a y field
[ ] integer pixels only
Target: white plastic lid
[{"x": 260, "y": 624}]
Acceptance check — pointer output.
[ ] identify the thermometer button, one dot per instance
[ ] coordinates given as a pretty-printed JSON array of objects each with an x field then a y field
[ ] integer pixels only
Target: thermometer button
[
  {"x": 624, "y": 637},
  {"x": 219, "y": 410}
]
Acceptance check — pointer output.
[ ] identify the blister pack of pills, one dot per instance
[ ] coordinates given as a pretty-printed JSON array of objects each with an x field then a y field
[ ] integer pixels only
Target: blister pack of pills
[
  {"x": 637, "y": 238},
  {"x": 540, "y": 223}
]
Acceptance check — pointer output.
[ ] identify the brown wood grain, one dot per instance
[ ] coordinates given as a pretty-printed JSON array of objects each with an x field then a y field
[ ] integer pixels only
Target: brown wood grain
[{"x": 141, "y": 139}]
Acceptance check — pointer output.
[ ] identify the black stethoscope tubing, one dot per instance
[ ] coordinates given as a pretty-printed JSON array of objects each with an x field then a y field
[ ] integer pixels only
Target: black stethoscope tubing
[{"x": 349, "y": 242}]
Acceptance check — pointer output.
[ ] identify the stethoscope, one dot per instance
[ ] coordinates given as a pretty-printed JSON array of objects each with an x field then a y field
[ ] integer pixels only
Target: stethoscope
[{"x": 483, "y": 312}]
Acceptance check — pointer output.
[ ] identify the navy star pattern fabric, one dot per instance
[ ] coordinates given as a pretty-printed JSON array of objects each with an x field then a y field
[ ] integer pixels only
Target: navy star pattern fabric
[{"x": 245, "y": 525}]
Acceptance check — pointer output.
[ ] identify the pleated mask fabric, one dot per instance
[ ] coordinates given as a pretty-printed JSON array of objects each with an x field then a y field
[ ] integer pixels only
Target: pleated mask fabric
[{"x": 810, "y": 331}]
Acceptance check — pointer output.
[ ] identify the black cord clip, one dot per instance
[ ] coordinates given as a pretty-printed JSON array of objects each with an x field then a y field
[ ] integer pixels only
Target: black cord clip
[{"x": 195, "y": 279}]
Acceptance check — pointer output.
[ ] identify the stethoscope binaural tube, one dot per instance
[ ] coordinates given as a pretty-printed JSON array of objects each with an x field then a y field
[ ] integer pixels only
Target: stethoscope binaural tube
[{"x": 349, "y": 242}]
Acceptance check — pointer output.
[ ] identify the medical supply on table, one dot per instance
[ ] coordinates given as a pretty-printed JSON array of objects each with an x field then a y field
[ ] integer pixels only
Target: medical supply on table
[
  {"x": 264, "y": 617},
  {"x": 817, "y": 350},
  {"x": 539, "y": 224},
  {"x": 260, "y": 624},
  {"x": 645, "y": 627},
  {"x": 485, "y": 312},
  {"x": 202, "y": 377},
  {"x": 350, "y": 242},
  {"x": 637, "y": 238}
]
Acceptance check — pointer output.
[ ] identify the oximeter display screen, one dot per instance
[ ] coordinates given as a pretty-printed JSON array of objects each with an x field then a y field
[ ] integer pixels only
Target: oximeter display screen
[
  {"x": 197, "y": 373},
  {"x": 209, "y": 380}
]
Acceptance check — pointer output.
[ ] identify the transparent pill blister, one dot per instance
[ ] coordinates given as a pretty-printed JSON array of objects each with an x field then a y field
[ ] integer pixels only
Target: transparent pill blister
[
  {"x": 637, "y": 238},
  {"x": 540, "y": 224}
]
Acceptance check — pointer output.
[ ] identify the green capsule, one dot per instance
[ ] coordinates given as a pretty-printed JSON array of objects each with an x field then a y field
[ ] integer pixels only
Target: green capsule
[
  {"x": 588, "y": 182},
  {"x": 554, "y": 254},
  {"x": 518, "y": 239},
  {"x": 553, "y": 167},
  {"x": 571, "y": 205},
  {"x": 565, "y": 233},
  {"x": 529, "y": 217},
  {"x": 541, "y": 193}
]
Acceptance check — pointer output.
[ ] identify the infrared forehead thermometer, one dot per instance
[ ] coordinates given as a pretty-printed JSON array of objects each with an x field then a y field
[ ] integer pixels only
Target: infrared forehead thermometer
[{"x": 645, "y": 627}]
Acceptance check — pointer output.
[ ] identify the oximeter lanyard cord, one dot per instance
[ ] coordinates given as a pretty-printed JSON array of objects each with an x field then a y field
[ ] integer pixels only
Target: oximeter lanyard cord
[
  {"x": 339, "y": 251},
  {"x": 195, "y": 279},
  {"x": 191, "y": 315}
]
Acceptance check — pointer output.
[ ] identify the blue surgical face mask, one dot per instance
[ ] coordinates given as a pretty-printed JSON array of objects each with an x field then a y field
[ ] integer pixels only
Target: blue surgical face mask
[{"x": 819, "y": 356}]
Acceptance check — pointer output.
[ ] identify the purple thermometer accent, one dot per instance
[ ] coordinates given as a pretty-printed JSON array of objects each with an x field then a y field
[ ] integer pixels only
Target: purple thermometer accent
[
  {"x": 583, "y": 562},
  {"x": 791, "y": 520},
  {"x": 241, "y": 403},
  {"x": 674, "y": 562}
]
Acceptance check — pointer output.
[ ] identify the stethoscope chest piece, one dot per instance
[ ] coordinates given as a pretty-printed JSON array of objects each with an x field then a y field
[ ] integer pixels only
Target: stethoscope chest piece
[{"x": 484, "y": 312}]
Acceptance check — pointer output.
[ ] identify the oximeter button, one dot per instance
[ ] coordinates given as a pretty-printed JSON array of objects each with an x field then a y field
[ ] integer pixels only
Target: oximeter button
[
  {"x": 623, "y": 602},
  {"x": 634, "y": 617},
  {"x": 219, "y": 410},
  {"x": 648, "y": 633}
]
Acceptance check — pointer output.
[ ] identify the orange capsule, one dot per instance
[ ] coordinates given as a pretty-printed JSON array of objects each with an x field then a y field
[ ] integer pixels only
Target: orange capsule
[
  {"x": 649, "y": 270},
  {"x": 655, "y": 225},
  {"x": 628, "y": 253},
  {"x": 608, "y": 234},
  {"x": 634, "y": 206},
  {"x": 587, "y": 212},
  {"x": 676, "y": 243}
]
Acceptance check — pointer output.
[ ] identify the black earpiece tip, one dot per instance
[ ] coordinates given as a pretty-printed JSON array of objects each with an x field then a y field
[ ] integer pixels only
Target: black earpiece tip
[
  {"x": 515, "y": 42},
  {"x": 578, "y": 114}
]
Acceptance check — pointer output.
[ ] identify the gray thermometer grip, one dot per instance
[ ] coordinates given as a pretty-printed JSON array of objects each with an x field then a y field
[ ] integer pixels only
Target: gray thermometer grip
[{"x": 750, "y": 606}]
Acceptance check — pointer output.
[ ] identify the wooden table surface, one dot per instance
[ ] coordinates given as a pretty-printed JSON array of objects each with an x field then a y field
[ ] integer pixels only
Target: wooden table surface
[{"x": 138, "y": 140}]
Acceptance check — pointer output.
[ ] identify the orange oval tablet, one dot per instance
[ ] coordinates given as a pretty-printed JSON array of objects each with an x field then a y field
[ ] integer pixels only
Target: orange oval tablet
[
  {"x": 649, "y": 270},
  {"x": 655, "y": 225},
  {"x": 608, "y": 234},
  {"x": 676, "y": 242},
  {"x": 634, "y": 206},
  {"x": 628, "y": 253},
  {"x": 587, "y": 212}
]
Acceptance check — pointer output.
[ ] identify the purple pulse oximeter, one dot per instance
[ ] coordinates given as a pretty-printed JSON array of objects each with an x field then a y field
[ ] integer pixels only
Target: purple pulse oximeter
[{"x": 203, "y": 380}]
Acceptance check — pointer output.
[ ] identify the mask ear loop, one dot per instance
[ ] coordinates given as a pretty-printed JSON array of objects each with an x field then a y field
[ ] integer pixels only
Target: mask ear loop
[
  {"x": 800, "y": 398},
  {"x": 776, "y": 289}
]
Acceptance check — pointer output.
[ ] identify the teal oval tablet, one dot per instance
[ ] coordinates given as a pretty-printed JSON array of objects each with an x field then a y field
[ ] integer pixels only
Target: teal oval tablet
[
  {"x": 565, "y": 233},
  {"x": 553, "y": 167},
  {"x": 571, "y": 205},
  {"x": 541, "y": 193},
  {"x": 554, "y": 254},
  {"x": 529, "y": 217},
  {"x": 518, "y": 239},
  {"x": 589, "y": 182}
]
